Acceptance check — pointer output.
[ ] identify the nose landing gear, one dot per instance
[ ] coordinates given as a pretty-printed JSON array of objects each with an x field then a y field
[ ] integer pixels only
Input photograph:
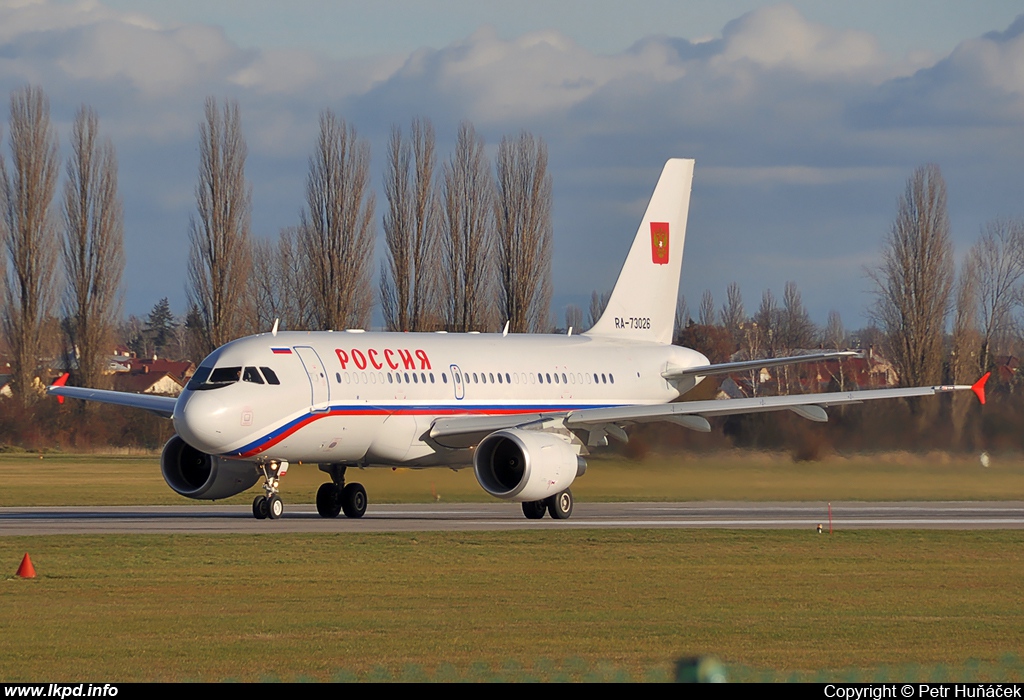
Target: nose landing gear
[{"x": 270, "y": 506}]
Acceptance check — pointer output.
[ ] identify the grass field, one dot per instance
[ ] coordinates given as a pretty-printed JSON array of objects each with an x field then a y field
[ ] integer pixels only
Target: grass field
[
  {"x": 109, "y": 480},
  {"x": 312, "y": 606},
  {"x": 588, "y": 604}
]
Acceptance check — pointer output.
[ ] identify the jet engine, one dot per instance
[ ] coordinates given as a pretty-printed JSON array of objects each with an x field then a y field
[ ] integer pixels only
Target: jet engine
[
  {"x": 526, "y": 465},
  {"x": 195, "y": 474}
]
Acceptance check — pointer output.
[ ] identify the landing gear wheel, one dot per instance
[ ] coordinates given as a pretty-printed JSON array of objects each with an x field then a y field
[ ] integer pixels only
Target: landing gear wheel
[
  {"x": 275, "y": 507},
  {"x": 353, "y": 500},
  {"x": 534, "y": 510},
  {"x": 260, "y": 508},
  {"x": 560, "y": 505},
  {"x": 328, "y": 500}
]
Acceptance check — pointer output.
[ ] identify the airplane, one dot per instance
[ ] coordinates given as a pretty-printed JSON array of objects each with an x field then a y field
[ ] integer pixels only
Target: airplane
[{"x": 523, "y": 410}]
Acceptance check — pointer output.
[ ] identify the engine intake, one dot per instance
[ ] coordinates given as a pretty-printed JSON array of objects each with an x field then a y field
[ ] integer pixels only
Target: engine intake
[
  {"x": 526, "y": 465},
  {"x": 195, "y": 474}
]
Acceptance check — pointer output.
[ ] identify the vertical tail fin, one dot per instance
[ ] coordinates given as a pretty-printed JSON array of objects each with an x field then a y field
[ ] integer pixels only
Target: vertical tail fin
[{"x": 643, "y": 303}]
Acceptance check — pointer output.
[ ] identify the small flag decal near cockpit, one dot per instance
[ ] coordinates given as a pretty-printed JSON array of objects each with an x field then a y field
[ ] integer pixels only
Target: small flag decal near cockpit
[
  {"x": 281, "y": 351},
  {"x": 659, "y": 242}
]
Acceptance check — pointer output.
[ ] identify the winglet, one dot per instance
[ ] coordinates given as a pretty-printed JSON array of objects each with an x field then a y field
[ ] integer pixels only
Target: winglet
[
  {"x": 979, "y": 387},
  {"x": 63, "y": 379}
]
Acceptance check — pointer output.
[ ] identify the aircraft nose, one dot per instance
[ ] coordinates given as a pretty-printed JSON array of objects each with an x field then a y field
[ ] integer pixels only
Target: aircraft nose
[{"x": 201, "y": 420}]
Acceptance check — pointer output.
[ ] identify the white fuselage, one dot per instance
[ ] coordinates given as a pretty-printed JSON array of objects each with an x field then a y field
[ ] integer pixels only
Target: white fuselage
[{"x": 369, "y": 398}]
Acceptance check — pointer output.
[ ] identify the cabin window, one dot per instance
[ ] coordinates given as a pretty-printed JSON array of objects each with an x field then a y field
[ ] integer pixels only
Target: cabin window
[
  {"x": 499, "y": 377},
  {"x": 474, "y": 378},
  {"x": 547, "y": 377},
  {"x": 612, "y": 378},
  {"x": 603, "y": 379},
  {"x": 444, "y": 378},
  {"x": 540, "y": 377},
  {"x": 563, "y": 378},
  {"x": 251, "y": 374},
  {"x": 337, "y": 375},
  {"x": 431, "y": 377},
  {"x": 491, "y": 375},
  {"x": 390, "y": 379},
  {"x": 270, "y": 375},
  {"x": 415, "y": 379},
  {"x": 556, "y": 377}
]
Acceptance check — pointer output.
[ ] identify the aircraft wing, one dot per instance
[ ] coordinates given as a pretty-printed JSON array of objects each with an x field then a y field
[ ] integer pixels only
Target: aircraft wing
[
  {"x": 161, "y": 405},
  {"x": 676, "y": 373},
  {"x": 466, "y": 431},
  {"x": 810, "y": 406}
]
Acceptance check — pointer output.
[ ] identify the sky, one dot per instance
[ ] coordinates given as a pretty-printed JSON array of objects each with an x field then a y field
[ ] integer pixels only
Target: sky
[{"x": 805, "y": 119}]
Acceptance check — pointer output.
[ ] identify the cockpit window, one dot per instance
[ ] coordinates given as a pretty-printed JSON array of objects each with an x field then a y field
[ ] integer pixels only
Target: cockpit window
[
  {"x": 225, "y": 375},
  {"x": 251, "y": 374},
  {"x": 206, "y": 378},
  {"x": 270, "y": 375},
  {"x": 199, "y": 377}
]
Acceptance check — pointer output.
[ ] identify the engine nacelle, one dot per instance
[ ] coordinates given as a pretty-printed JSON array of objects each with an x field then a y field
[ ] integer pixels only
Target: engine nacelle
[
  {"x": 195, "y": 474},
  {"x": 526, "y": 465}
]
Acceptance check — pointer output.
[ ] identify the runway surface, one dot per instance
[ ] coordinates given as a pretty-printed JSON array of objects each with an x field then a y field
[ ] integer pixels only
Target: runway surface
[{"x": 965, "y": 515}]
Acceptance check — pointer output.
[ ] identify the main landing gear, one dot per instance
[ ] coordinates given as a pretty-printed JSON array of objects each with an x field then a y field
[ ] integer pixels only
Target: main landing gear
[
  {"x": 336, "y": 497},
  {"x": 270, "y": 506},
  {"x": 559, "y": 506}
]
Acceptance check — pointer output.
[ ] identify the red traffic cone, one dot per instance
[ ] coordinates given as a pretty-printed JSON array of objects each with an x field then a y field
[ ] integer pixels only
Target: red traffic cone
[{"x": 26, "y": 570}]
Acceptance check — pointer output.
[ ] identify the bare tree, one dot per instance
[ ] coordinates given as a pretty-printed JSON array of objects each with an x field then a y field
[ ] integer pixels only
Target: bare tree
[
  {"x": 796, "y": 328},
  {"x": 523, "y": 224},
  {"x": 997, "y": 268},
  {"x": 29, "y": 230},
  {"x": 834, "y": 336},
  {"x": 337, "y": 228},
  {"x": 466, "y": 234},
  {"x": 914, "y": 281},
  {"x": 767, "y": 325},
  {"x": 733, "y": 314},
  {"x": 573, "y": 318},
  {"x": 93, "y": 247},
  {"x": 409, "y": 276},
  {"x": 965, "y": 359},
  {"x": 220, "y": 250},
  {"x": 598, "y": 302},
  {"x": 279, "y": 285},
  {"x": 706, "y": 312}
]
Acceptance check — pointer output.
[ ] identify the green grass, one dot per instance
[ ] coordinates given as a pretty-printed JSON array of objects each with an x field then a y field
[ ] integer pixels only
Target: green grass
[
  {"x": 138, "y": 608},
  {"x": 115, "y": 480}
]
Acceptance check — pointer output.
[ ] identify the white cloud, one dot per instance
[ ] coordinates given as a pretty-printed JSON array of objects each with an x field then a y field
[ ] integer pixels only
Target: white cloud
[{"x": 803, "y": 133}]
